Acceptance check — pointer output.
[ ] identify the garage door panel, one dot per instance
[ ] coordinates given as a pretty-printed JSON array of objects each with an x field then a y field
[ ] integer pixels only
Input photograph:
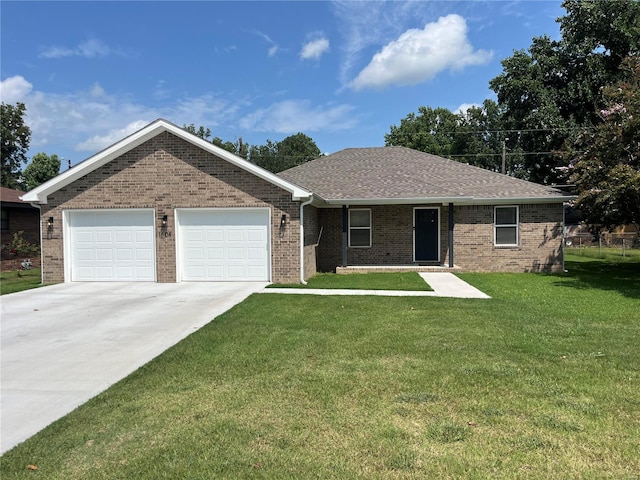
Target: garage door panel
[
  {"x": 103, "y": 236},
  {"x": 102, "y": 254},
  {"x": 255, "y": 254},
  {"x": 234, "y": 245},
  {"x": 112, "y": 246},
  {"x": 235, "y": 235},
  {"x": 144, "y": 254},
  {"x": 124, "y": 254},
  {"x": 215, "y": 254}
]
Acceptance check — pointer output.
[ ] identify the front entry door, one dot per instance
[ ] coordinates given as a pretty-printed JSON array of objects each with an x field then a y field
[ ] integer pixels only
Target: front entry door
[{"x": 426, "y": 234}]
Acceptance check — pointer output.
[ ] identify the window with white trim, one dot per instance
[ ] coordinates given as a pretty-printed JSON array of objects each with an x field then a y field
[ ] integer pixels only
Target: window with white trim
[
  {"x": 360, "y": 227},
  {"x": 506, "y": 226}
]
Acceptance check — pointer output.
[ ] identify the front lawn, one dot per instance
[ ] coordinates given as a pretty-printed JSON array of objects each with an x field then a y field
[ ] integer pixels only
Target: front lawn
[
  {"x": 18, "y": 280},
  {"x": 541, "y": 382},
  {"x": 363, "y": 281}
]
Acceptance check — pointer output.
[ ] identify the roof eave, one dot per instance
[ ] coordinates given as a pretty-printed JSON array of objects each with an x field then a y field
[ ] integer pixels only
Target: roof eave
[
  {"x": 446, "y": 200},
  {"x": 395, "y": 201},
  {"x": 522, "y": 200}
]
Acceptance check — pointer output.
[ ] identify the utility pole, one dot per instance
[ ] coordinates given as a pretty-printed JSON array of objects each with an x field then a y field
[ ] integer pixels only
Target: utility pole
[{"x": 504, "y": 156}]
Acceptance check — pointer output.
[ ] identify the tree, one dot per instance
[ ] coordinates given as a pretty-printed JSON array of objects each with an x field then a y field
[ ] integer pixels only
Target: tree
[
  {"x": 605, "y": 161},
  {"x": 273, "y": 156},
  {"x": 431, "y": 131},
  {"x": 550, "y": 91},
  {"x": 291, "y": 151},
  {"x": 237, "y": 148},
  {"x": 201, "y": 131},
  {"x": 42, "y": 168},
  {"x": 15, "y": 137},
  {"x": 297, "y": 149}
]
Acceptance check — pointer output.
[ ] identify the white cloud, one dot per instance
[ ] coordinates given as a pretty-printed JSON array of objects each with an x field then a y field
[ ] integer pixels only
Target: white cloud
[
  {"x": 77, "y": 121},
  {"x": 97, "y": 90},
  {"x": 466, "y": 106},
  {"x": 314, "y": 49},
  {"x": 273, "y": 48},
  {"x": 419, "y": 55},
  {"x": 91, "y": 48},
  {"x": 100, "y": 142},
  {"x": 291, "y": 116},
  {"x": 14, "y": 89},
  {"x": 366, "y": 24}
]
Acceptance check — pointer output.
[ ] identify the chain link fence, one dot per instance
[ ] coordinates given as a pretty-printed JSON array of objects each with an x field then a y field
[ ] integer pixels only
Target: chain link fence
[{"x": 618, "y": 243}]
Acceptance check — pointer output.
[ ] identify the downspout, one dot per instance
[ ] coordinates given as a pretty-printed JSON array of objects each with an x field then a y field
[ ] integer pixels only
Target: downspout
[
  {"x": 37, "y": 205},
  {"x": 302, "y": 205}
]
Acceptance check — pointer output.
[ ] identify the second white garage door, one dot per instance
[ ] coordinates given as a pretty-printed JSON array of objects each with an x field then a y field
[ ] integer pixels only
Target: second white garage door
[{"x": 223, "y": 244}]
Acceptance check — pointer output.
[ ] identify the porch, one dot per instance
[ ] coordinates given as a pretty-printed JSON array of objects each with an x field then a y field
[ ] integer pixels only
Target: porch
[{"x": 397, "y": 269}]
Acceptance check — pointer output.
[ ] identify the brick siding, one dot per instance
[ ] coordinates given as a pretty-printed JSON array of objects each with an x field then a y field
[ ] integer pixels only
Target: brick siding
[
  {"x": 539, "y": 248},
  {"x": 23, "y": 219},
  {"x": 166, "y": 173}
]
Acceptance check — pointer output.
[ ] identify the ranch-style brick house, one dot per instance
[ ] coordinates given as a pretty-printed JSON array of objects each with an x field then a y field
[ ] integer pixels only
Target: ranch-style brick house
[{"x": 163, "y": 205}]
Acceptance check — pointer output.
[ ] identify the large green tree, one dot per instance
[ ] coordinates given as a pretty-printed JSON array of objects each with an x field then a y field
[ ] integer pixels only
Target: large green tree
[
  {"x": 549, "y": 91},
  {"x": 431, "y": 130},
  {"x": 42, "y": 167},
  {"x": 474, "y": 136},
  {"x": 289, "y": 152},
  {"x": 15, "y": 137},
  {"x": 605, "y": 161}
]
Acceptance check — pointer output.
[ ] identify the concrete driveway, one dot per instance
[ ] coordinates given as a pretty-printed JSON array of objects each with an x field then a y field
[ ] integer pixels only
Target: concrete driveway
[{"x": 64, "y": 344}]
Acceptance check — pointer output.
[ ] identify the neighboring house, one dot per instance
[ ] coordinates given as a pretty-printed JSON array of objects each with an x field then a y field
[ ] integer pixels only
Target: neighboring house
[
  {"x": 18, "y": 215},
  {"x": 164, "y": 205}
]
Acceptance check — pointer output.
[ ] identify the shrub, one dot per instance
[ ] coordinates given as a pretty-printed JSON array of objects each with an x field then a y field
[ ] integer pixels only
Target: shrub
[{"x": 19, "y": 247}]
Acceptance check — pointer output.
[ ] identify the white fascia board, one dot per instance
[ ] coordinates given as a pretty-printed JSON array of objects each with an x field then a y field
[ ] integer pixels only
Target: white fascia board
[
  {"x": 397, "y": 201},
  {"x": 521, "y": 200},
  {"x": 40, "y": 194},
  {"x": 447, "y": 200}
]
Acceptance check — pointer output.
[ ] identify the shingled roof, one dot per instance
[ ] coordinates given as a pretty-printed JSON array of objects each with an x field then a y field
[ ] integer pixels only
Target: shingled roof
[{"x": 403, "y": 175}]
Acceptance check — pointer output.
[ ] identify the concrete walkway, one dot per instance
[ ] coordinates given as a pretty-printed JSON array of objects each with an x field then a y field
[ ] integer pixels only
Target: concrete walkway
[
  {"x": 444, "y": 284},
  {"x": 61, "y": 345}
]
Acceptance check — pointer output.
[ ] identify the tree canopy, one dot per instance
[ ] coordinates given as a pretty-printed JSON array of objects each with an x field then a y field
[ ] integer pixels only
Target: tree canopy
[
  {"x": 42, "y": 167},
  {"x": 605, "y": 161},
  {"x": 15, "y": 137},
  {"x": 273, "y": 156},
  {"x": 550, "y": 91}
]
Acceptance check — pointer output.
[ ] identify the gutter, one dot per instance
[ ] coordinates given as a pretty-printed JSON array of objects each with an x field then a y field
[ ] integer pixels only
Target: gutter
[
  {"x": 302, "y": 205},
  {"x": 36, "y": 205},
  {"x": 447, "y": 200}
]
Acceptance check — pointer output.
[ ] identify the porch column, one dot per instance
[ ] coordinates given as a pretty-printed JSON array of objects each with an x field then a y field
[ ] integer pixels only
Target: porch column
[
  {"x": 451, "y": 225},
  {"x": 345, "y": 223}
]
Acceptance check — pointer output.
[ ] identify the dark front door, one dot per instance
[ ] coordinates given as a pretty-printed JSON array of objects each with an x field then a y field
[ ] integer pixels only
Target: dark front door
[{"x": 426, "y": 233}]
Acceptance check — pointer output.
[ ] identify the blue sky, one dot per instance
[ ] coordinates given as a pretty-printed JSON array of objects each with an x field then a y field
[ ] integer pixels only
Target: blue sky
[{"x": 91, "y": 73}]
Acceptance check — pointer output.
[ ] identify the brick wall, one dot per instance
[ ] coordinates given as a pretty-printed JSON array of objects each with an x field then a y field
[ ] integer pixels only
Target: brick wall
[
  {"x": 165, "y": 173},
  {"x": 539, "y": 244},
  {"x": 539, "y": 249},
  {"x": 24, "y": 219},
  {"x": 311, "y": 232}
]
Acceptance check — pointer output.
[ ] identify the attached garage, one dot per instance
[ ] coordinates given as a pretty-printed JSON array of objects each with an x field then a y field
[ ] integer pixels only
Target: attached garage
[
  {"x": 110, "y": 245},
  {"x": 220, "y": 244}
]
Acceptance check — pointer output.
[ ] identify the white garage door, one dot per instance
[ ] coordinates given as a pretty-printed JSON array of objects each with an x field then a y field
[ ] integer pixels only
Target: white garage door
[
  {"x": 111, "y": 245},
  {"x": 224, "y": 244}
]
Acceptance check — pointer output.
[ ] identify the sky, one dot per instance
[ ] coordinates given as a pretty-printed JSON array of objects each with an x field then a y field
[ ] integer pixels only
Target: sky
[{"x": 341, "y": 72}]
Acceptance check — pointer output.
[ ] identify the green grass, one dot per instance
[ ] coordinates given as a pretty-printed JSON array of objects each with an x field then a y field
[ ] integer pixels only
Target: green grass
[
  {"x": 364, "y": 281},
  {"x": 615, "y": 255},
  {"x": 16, "y": 281},
  {"x": 541, "y": 382}
]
